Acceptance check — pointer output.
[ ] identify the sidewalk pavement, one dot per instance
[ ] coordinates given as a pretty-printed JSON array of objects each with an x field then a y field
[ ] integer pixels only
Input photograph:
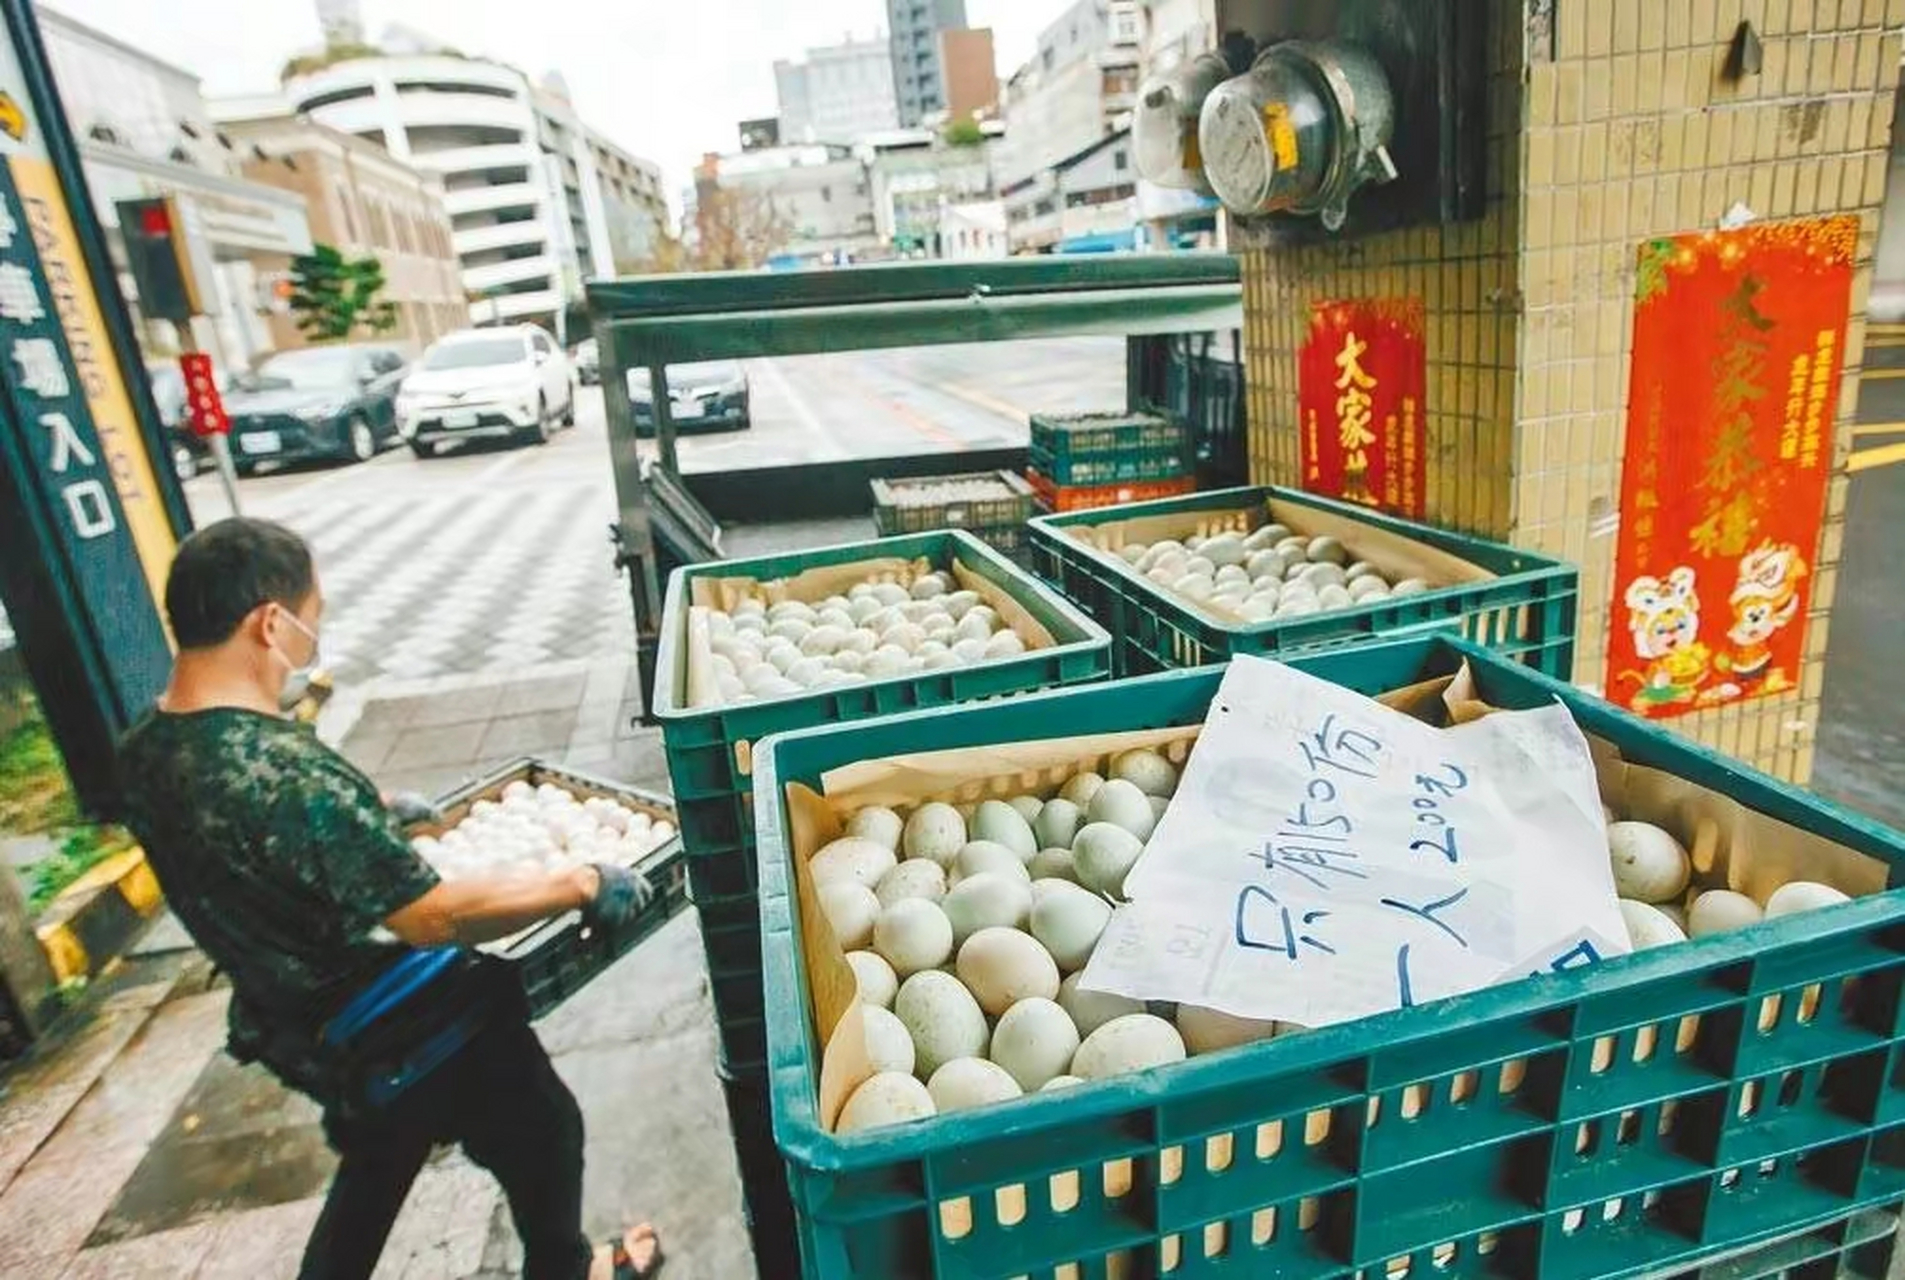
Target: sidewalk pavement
[{"x": 131, "y": 1146}]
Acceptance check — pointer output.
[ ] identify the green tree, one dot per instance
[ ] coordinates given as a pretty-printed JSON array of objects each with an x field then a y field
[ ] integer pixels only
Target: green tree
[
  {"x": 331, "y": 295},
  {"x": 964, "y": 132}
]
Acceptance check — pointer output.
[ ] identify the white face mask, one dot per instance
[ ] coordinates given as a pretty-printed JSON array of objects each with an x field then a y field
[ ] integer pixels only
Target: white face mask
[{"x": 298, "y": 680}]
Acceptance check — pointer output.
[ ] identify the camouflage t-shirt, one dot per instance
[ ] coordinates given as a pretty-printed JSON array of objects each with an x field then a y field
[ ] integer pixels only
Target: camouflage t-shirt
[{"x": 276, "y": 854}]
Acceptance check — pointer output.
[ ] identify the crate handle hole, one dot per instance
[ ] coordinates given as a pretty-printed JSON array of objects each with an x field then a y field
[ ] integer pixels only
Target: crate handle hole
[
  {"x": 1487, "y": 1242},
  {"x": 1269, "y": 1139},
  {"x": 1009, "y": 1204},
  {"x": 1170, "y": 1165},
  {"x": 1170, "y": 1253},
  {"x": 1669, "y": 1116},
  {"x": 1768, "y": 1168},
  {"x": 1571, "y": 1221},
  {"x": 1309, "y": 1210},
  {"x": 1263, "y": 1226},
  {"x": 1065, "y": 1191},
  {"x": 1513, "y": 1072},
  {"x": 1646, "y": 1040},
  {"x": 1218, "y": 1152},
  {"x": 1729, "y": 1179},
  {"x": 1415, "y": 1100},
  {"x": 1687, "y": 1035},
  {"x": 1809, "y": 998},
  {"x": 1316, "y": 1127},
  {"x": 1587, "y": 1138},
  {"x": 1611, "y": 1210},
  {"x": 1849, "y": 998},
  {"x": 955, "y": 1218},
  {"x": 1216, "y": 1239},
  {"x": 1648, "y": 1199},
  {"x": 1769, "y": 1008},
  {"x": 1372, "y": 1113},
  {"x": 1791, "y": 1085},
  {"x": 1068, "y": 1271},
  {"x": 1749, "y": 1099},
  {"x": 1627, "y": 1132},
  {"x": 1443, "y": 1256},
  {"x": 1397, "y": 1268},
  {"x": 1464, "y": 1087},
  {"x": 1601, "y": 1057},
  {"x": 1117, "y": 1178}
]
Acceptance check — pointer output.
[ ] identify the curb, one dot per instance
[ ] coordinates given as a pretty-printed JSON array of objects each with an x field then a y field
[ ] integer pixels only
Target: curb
[{"x": 95, "y": 918}]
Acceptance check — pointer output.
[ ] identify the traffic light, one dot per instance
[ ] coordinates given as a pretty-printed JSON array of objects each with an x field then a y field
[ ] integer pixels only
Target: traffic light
[{"x": 157, "y": 256}]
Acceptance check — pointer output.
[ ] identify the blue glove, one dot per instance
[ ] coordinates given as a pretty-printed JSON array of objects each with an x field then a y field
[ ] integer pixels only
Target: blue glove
[
  {"x": 411, "y": 809},
  {"x": 619, "y": 898}
]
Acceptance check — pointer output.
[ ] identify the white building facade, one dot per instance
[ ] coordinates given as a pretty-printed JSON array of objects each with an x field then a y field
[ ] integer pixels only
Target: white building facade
[
  {"x": 538, "y": 202},
  {"x": 839, "y": 93}
]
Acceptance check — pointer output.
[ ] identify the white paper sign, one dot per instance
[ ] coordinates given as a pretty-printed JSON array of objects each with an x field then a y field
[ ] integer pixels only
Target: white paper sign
[{"x": 1326, "y": 858}]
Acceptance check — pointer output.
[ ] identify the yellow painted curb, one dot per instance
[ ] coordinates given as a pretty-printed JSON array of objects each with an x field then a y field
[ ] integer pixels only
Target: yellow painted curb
[
  {"x": 127, "y": 874},
  {"x": 64, "y": 954}
]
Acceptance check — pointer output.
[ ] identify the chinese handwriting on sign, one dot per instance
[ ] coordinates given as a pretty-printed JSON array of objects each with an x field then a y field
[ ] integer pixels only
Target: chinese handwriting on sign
[
  {"x": 1353, "y": 417},
  {"x": 1316, "y": 847},
  {"x": 1738, "y": 348}
]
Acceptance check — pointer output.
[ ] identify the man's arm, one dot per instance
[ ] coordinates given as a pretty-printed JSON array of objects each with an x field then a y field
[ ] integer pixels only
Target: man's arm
[{"x": 484, "y": 908}]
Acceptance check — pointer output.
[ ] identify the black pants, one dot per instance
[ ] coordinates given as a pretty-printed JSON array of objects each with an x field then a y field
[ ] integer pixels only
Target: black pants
[{"x": 503, "y": 1103}]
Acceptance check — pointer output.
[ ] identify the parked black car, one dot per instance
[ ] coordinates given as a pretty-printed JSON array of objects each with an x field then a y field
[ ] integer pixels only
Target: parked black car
[{"x": 321, "y": 403}]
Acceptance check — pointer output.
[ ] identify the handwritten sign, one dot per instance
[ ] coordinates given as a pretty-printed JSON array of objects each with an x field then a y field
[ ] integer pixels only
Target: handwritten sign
[
  {"x": 1739, "y": 344},
  {"x": 1361, "y": 379},
  {"x": 1327, "y": 858}
]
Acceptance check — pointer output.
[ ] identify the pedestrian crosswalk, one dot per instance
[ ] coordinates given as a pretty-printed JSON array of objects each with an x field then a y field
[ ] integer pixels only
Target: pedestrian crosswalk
[{"x": 460, "y": 582}]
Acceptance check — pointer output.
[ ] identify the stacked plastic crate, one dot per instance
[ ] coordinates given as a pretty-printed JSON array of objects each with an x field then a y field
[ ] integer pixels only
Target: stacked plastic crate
[
  {"x": 1082, "y": 461},
  {"x": 709, "y": 744},
  {"x": 993, "y": 506}
]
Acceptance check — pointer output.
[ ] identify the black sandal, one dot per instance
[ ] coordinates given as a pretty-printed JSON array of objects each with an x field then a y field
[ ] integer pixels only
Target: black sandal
[{"x": 624, "y": 1263}]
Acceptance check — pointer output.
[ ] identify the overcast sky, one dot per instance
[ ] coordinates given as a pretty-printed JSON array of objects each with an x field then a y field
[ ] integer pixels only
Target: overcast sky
[{"x": 666, "y": 79}]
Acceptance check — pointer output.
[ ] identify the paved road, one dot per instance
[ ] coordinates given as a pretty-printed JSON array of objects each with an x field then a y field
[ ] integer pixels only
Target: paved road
[
  {"x": 498, "y": 558},
  {"x": 1861, "y": 745}
]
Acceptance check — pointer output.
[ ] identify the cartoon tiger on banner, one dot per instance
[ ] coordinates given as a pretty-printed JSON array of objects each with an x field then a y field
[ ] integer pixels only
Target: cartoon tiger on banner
[
  {"x": 1765, "y": 599},
  {"x": 1664, "y": 619}
]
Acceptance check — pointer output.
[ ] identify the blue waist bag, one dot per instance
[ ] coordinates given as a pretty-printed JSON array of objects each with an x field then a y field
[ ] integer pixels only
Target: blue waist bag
[{"x": 411, "y": 1019}]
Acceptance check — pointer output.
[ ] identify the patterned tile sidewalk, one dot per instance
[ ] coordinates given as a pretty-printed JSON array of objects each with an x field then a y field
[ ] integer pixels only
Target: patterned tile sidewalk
[{"x": 131, "y": 1146}]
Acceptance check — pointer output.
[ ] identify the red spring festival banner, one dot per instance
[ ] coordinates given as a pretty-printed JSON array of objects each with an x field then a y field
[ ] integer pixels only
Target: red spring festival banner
[
  {"x": 1739, "y": 341},
  {"x": 1360, "y": 382}
]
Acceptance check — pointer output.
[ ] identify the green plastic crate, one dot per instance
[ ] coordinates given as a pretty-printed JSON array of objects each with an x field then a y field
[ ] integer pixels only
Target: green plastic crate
[
  {"x": 1527, "y": 611},
  {"x": 708, "y": 749},
  {"x": 1089, "y": 449},
  {"x": 1556, "y": 1163}
]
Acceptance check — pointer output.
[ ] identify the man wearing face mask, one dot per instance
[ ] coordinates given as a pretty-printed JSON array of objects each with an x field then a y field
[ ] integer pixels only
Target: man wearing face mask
[{"x": 350, "y": 962}]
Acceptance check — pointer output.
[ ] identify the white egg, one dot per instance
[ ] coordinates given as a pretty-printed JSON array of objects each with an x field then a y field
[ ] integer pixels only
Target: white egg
[
  {"x": 914, "y": 878},
  {"x": 1056, "y": 824},
  {"x": 874, "y": 977},
  {"x": 1208, "y": 1030},
  {"x": 943, "y": 1019},
  {"x": 914, "y": 934},
  {"x": 849, "y": 661},
  {"x": 518, "y": 790},
  {"x": 1132, "y": 552},
  {"x": 822, "y": 641},
  {"x": 851, "y": 858},
  {"x": 1649, "y": 864},
  {"x": 1721, "y": 911},
  {"x": 999, "y": 821},
  {"x": 1006, "y": 644},
  {"x": 904, "y": 635},
  {"x": 877, "y": 823},
  {"x": 1802, "y": 895},
  {"x": 790, "y": 609},
  {"x": 956, "y": 603},
  {"x": 884, "y": 1099},
  {"x": 1068, "y": 921},
  {"x": 1052, "y": 864},
  {"x": 792, "y": 629},
  {"x": 1146, "y": 770},
  {"x": 969, "y": 651},
  {"x": 974, "y": 627},
  {"x": 1001, "y": 965},
  {"x": 851, "y": 908},
  {"x": 1122, "y": 804},
  {"x": 991, "y": 899},
  {"x": 1334, "y": 597},
  {"x": 1081, "y": 787},
  {"x": 936, "y": 831},
  {"x": 1132, "y": 1043},
  {"x": 839, "y": 619},
  {"x": 1035, "y": 1042},
  {"x": 977, "y": 857},
  {"x": 964, "y": 1083},
  {"x": 1409, "y": 587},
  {"x": 928, "y": 586},
  {"x": 889, "y": 1044},
  {"x": 1648, "y": 926}
]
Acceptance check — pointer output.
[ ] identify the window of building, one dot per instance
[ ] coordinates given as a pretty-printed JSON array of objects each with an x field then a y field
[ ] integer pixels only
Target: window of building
[
  {"x": 179, "y": 155},
  {"x": 107, "y": 134},
  {"x": 336, "y": 96},
  {"x": 1120, "y": 161}
]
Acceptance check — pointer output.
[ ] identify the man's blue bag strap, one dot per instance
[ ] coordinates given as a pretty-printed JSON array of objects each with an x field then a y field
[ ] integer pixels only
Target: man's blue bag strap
[{"x": 396, "y": 985}]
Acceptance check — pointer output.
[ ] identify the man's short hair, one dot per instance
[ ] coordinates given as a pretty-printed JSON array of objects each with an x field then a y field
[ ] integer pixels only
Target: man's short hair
[{"x": 226, "y": 570}]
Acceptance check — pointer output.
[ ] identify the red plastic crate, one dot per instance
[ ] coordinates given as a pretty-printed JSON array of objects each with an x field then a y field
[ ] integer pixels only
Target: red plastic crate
[{"x": 1073, "y": 498}]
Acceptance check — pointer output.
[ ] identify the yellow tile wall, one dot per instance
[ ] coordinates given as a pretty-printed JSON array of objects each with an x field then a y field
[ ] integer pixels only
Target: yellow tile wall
[{"x": 1627, "y": 132}]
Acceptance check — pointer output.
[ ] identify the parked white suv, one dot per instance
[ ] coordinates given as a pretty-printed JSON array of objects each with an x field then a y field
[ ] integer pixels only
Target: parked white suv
[{"x": 511, "y": 382}]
